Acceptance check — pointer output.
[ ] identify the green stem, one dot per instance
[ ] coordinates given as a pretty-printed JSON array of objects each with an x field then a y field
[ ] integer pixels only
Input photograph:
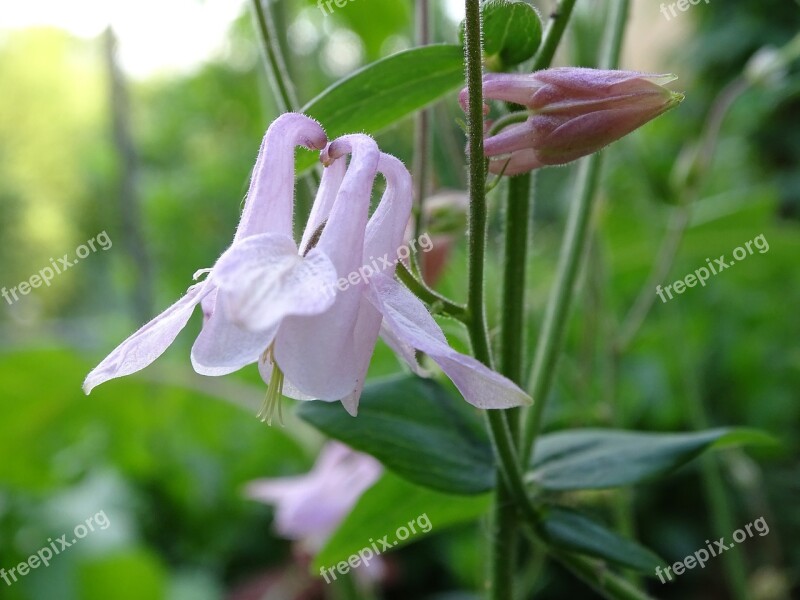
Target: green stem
[
  {"x": 553, "y": 33},
  {"x": 572, "y": 252},
  {"x": 560, "y": 301},
  {"x": 612, "y": 44},
  {"x": 430, "y": 297},
  {"x": 276, "y": 65},
  {"x": 511, "y": 483},
  {"x": 597, "y": 577},
  {"x": 501, "y": 563},
  {"x": 512, "y": 329},
  {"x": 509, "y": 119},
  {"x": 511, "y": 358},
  {"x": 278, "y": 74},
  {"x": 476, "y": 184}
]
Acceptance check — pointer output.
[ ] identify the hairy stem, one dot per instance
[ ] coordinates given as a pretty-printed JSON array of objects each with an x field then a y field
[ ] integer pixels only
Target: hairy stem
[
  {"x": 273, "y": 57},
  {"x": 437, "y": 302}
]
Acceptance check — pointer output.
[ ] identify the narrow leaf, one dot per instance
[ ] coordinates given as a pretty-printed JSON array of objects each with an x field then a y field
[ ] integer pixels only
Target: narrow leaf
[
  {"x": 571, "y": 530},
  {"x": 604, "y": 458},
  {"x": 385, "y": 92}
]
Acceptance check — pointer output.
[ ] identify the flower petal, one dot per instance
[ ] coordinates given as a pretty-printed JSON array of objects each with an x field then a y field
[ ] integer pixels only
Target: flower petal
[
  {"x": 265, "y": 280},
  {"x": 318, "y": 353},
  {"x": 149, "y": 342},
  {"x": 513, "y": 138},
  {"x": 270, "y": 198},
  {"x": 326, "y": 196},
  {"x": 517, "y": 162},
  {"x": 384, "y": 236},
  {"x": 409, "y": 321},
  {"x": 223, "y": 347}
]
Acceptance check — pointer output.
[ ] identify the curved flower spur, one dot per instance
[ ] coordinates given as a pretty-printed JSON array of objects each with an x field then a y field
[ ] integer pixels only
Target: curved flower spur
[{"x": 573, "y": 112}]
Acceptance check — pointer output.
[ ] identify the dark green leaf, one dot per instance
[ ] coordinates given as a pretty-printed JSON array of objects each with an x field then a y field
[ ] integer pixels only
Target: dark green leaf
[
  {"x": 393, "y": 503},
  {"x": 604, "y": 458},
  {"x": 385, "y": 92},
  {"x": 570, "y": 530},
  {"x": 417, "y": 429}
]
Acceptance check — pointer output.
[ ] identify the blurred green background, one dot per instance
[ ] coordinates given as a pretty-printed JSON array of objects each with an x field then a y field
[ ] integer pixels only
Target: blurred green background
[{"x": 148, "y": 131}]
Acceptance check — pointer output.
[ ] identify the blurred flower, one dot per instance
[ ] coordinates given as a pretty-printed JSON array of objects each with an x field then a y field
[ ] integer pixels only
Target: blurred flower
[
  {"x": 308, "y": 508},
  {"x": 574, "y": 112}
]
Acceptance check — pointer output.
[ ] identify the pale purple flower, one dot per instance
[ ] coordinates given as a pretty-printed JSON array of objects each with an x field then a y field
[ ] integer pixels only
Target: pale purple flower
[
  {"x": 326, "y": 356},
  {"x": 264, "y": 236},
  {"x": 308, "y": 508},
  {"x": 573, "y": 112},
  {"x": 269, "y": 301}
]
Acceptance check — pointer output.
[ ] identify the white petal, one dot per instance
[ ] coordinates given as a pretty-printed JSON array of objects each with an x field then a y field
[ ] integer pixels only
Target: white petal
[
  {"x": 149, "y": 342},
  {"x": 408, "y": 319},
  {"x": 223, "y": 347},
  {"x": 264, "y": 280}
]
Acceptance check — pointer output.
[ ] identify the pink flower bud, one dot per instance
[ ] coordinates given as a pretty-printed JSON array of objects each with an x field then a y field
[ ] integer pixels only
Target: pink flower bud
[{"x": 574, "y": 112}]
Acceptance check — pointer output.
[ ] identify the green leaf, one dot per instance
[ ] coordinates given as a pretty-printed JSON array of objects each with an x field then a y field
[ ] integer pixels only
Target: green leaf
[
  {"x": 605, "y": 458},
  {"x": 385, "y": 92},
  {"x": 571, "y": 530},
  {"x": 417, "y": 429},
  {"x": 393, "y": 503}
]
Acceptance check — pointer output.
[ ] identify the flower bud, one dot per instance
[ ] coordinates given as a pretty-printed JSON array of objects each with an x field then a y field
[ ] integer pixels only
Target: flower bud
[{"x": 574, "y": 112}]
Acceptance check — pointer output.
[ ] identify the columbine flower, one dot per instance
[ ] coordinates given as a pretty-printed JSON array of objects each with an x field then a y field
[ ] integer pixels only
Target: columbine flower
[
  {"x": 326, "y": 356},
  {"x": 264, "y": 237},
  {"x": 573, "y": 112},
  {"x": 308, "y": 508},
  {"x": 269, "y": 301}
]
